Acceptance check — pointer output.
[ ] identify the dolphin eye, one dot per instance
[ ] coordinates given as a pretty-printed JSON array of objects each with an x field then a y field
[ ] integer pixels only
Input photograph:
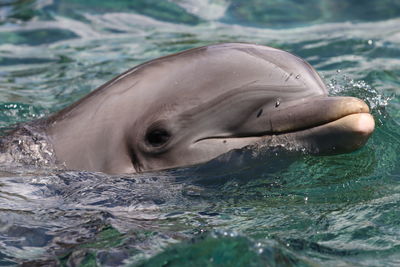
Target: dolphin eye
[{"x": 157, "y": 137}]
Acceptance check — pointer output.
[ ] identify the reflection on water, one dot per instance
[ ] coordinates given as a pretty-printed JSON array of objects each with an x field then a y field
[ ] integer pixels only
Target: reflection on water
[{"x": 237, "y": 210}]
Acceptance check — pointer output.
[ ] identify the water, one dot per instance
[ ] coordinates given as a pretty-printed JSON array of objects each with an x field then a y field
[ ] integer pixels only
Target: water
[{"x": 271, "y": 210}]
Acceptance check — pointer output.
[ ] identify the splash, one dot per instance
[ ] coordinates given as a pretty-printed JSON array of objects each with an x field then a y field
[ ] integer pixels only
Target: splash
[{"x": 343, "y": 85}]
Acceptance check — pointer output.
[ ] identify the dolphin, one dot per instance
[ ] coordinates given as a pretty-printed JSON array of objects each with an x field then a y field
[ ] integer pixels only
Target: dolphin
[{"x": 193, "y": 106}]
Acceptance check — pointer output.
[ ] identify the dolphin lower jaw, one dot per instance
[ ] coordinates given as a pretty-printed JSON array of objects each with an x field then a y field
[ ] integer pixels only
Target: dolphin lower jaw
[{"x": 343, "y": 135}]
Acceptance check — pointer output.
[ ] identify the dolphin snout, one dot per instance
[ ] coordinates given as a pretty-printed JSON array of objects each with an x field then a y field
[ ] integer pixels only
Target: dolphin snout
[
  {"x": 343, "y": 135},
  {"x": 311, "y": 112}
]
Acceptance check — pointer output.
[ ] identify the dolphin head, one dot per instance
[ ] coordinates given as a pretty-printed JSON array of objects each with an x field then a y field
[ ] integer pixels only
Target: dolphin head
[{"x": 193, "y": 106}]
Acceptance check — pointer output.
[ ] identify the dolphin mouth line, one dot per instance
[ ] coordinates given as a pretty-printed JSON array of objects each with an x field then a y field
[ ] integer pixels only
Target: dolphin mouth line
[
  {"x": 268, "y": 134},
  {"x": 299, "y": 117}
]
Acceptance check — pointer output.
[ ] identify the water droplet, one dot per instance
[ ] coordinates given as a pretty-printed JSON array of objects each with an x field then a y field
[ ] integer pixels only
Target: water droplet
[
  {"x": 298, "y": 76},
  {"x": 277, "y": 103},
  {"x": 338, "y": 71}
]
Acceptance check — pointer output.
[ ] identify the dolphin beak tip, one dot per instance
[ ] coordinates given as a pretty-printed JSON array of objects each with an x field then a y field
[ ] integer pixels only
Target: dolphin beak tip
[
  {"x": 363, "y": 106},
  {"x": 350, "y": 105},
  {"x": 364, "y": 124},
  {"x": 357, "y": 130}
]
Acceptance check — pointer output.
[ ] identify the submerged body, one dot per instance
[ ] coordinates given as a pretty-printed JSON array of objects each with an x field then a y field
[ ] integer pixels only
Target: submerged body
[{"x": 193, "y": 106}]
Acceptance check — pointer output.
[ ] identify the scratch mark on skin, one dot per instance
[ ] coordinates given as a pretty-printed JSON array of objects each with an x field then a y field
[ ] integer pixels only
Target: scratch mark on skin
[{"x": 290, "y": 75}]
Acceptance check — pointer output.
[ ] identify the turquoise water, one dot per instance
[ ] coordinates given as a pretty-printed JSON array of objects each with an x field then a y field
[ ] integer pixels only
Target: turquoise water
[{"x": 272, "y": 210}]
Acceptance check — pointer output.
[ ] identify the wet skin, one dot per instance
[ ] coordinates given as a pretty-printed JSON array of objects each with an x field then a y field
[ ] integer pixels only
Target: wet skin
[{"x": 193, "y": 106}]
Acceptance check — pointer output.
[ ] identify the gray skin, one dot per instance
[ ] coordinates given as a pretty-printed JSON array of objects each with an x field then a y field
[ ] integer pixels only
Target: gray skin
[{"x": 193, "y": 106}]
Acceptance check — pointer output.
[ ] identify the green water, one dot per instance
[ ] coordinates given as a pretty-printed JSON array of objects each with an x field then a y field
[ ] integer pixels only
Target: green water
[{"x": 274, "y": 210}]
